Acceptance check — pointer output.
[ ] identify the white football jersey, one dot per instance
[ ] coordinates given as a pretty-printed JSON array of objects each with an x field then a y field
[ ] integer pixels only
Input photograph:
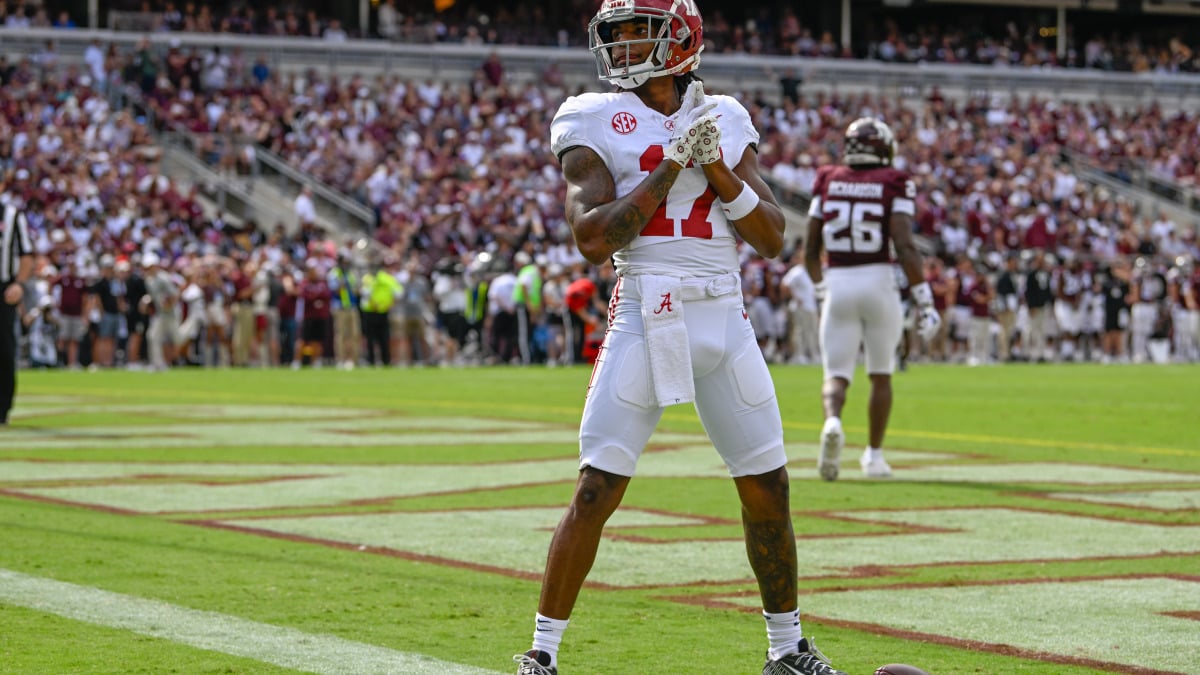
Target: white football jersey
[{"x": 688, "y": 235}]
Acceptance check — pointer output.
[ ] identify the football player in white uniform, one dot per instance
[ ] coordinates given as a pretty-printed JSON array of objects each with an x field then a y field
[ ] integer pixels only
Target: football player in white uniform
[
  {"x": 860, "y": 211},
  {"x": 662, "y": 179}
]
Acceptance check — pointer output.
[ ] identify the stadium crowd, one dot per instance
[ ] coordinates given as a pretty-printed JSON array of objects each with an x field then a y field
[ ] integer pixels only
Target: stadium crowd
[
  {"x": 968, "y": 35},
  {"x": 468, "y": 199}
]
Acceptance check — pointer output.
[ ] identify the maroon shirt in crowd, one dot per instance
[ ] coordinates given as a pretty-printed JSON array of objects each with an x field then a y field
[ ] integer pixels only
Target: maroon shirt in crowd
[
  {"x": 73, "y": 289},
  {"x": 317, "y": 299},
  {"x": 287, "y": 306},
  {"x": 980, "y": 305}
]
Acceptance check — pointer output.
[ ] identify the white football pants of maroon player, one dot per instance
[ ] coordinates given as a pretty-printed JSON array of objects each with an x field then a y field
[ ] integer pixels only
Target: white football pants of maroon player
[
  {"x": 1141, "y": 325},
  {"x": 862, "y": 308},
  {"x": 1069, "y": 317},
  {"x": 735, "y": 397},
  {"x": 1183, "y": 333}
]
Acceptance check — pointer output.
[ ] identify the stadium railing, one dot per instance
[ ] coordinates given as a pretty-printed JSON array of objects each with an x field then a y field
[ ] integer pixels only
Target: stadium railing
[
  {"x": 227, "y": 196},
  {"x": 335, "y": 207},
  {"x": 238, "y": 197},
  {"x": 1149, "y": 193},
  {"x": 1185, "y": 196},
  {"x": 731, "y": 72}
]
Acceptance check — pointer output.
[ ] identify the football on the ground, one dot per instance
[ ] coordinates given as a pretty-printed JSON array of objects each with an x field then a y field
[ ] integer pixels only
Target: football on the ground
[{"x": 899, "y": 669}]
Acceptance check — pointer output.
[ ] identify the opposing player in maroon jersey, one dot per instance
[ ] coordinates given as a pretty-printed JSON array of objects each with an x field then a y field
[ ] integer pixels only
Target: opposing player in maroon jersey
[{"x": 860, "y": 211}]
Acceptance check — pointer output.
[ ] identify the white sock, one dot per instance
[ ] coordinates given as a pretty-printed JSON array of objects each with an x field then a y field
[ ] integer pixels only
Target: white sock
[
  {"x": 783, "y": 633},
  {"x": 547, "y": 634},
  {"x": 874, "y": 454},
  {"x": 830, "y": 421}
]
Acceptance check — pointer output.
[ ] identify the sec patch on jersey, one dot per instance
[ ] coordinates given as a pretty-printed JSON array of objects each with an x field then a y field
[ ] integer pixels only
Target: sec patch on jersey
[{"x": 899, "y": 669}]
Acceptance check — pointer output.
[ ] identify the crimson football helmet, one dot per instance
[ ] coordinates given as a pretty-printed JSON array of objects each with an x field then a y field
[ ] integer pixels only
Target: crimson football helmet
[
  {"x": 869, "y": 141},
  {"x": 673, "y": 27}
]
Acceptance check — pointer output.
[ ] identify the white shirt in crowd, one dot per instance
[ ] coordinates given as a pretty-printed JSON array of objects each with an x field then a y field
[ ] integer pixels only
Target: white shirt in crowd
[
  {"x": 306, "y": 210},
  {"x": 801, "y": 286}
]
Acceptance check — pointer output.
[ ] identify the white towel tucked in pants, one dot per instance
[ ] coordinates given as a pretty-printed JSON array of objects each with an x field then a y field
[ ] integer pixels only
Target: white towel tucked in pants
[{"x": 667, "y": 347}]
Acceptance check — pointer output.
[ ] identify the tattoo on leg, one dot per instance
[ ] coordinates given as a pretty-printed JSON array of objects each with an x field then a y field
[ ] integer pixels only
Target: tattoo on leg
[{"x": 771, "y": 547}]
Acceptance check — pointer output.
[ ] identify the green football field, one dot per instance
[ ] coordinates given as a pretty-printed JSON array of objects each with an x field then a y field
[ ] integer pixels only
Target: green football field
[{"x": 1043, "y": 519}]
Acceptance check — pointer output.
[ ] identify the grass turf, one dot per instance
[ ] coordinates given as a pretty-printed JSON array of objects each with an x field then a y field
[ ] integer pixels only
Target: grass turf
[{"x": 1137, "y": 418}]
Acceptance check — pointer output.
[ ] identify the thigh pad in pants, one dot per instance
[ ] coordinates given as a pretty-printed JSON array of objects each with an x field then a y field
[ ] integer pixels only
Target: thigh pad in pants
[
  {"x": 862, "y": 308},
  {"x": 735, "y": 396}
]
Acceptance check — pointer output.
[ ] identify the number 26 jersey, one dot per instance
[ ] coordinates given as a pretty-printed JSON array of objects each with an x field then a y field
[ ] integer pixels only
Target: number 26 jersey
[
  {"x": 688, "y": 235},
  {"x": 855, "y": 206}
]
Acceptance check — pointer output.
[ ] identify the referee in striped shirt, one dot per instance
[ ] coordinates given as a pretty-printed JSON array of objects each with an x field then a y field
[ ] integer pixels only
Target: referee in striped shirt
[{"x": 16, "y": 266}]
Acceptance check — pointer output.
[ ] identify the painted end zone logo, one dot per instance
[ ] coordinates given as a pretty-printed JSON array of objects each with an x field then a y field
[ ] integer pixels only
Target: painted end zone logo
[{"x": 1096, "y": 514}]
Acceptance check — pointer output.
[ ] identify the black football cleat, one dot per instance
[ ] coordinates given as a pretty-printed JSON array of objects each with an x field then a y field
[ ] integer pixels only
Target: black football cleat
[{"x": 808, "y": 661}]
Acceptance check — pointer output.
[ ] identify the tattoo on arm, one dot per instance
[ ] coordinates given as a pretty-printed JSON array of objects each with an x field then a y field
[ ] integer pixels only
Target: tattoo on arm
[
  {"x": 632, "y": 216},
  {"x": 593, "y": 207}
]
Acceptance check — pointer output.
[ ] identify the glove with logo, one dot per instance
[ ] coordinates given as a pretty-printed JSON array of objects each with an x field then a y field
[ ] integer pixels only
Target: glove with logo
[
  {"x": 691, "y": 118},
  {"x": 928, "y": 320},
  {"x": 708, "y": 146}
]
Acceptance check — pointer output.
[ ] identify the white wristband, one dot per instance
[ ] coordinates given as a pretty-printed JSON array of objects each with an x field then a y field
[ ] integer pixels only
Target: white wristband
[
  {"x": 922, "y": 294},
  {"x": 742, "y": 205}
]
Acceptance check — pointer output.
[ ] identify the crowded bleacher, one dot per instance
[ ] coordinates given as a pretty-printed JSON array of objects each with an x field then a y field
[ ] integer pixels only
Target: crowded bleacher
[
  {"x": 971, "y": 34},
  {"x": 136, "y": 270}
]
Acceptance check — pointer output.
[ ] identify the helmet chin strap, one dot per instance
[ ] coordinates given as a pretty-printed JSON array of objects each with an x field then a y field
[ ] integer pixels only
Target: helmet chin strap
[
  {"x": 632, "y": 82},
  {"x": 656, "y": 56}
]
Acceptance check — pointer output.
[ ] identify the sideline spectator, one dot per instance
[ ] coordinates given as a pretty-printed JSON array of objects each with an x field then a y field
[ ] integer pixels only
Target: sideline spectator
[
  {"x": 1005, "y": 307},
  {"x": 800, "y": 295},
  {"x": 379, "y": 293},
  {"x": 415, "y": 303},
  {"x": 161, "y": 303},
  {"x": 16, "y": 268},
  {"x": 316, "y": 326},
  {"x": 109, "y": 292},
  {"x": 347, "y": 333}
]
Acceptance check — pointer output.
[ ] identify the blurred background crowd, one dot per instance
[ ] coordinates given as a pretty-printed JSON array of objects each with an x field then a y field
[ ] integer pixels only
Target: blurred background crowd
[
  {"x": 903, "y": 32},
  {"x": 470, "y": 261}
]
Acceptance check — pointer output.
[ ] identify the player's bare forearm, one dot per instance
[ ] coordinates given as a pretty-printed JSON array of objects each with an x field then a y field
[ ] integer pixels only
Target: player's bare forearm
[
  {"x": 812, "y": 249},
  {"x": 24, "y": 269},
  {"x": 906, "y": 248},
  {"x": 763, "y": 227},
  {"x": 601, "y": 222},
  {"x": 910, "y": 261}
]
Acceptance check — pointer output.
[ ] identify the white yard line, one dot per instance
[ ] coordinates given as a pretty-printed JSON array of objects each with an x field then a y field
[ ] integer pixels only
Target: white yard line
[{"x": 223, "y": 633}]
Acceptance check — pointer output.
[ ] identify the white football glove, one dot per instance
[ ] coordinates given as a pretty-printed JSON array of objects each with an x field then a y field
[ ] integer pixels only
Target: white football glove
[
  {"x": 928, "y": 323},
  {"x": 707, "y": 148},
  {"x": 689, "y": 120},
  {"x": 928, "y": 319}
]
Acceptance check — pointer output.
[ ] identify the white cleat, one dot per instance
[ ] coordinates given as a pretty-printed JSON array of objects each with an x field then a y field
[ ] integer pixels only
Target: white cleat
[
  {"x": 878, "y": 468},
  {"x": 832, "y": 440}
]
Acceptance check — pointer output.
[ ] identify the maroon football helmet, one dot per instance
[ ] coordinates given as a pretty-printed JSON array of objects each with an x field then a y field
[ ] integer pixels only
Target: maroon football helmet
[{"x": 869, "y": 142}]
